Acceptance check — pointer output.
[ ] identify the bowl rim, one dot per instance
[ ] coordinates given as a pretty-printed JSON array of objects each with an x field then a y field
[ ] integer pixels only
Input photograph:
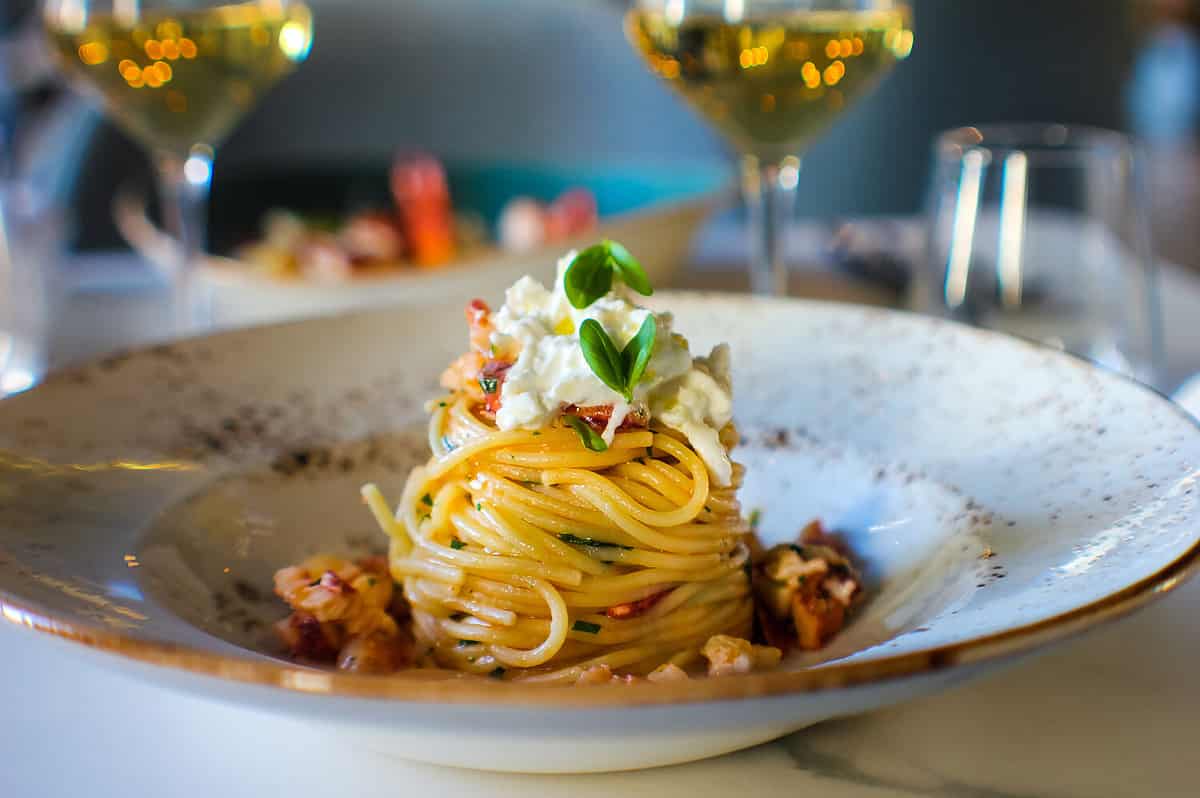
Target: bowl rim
[{"x": 437, "y": 687}]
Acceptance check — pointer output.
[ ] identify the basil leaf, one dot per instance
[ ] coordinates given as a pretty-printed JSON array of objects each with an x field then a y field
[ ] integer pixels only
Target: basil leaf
[
  {"x": 589, "y": 276},
  {"x": 602, "y": 357},
  {"x": 636, "y": 355},
  {"x": 628, "y": 267},
  {"x": 586, "y": 434},
  {"x": 585, "y": 626}
]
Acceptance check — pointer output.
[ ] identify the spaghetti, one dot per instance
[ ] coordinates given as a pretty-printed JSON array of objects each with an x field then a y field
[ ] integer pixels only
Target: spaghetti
[
  {"x": 577, "y": 521},
  {"x": 524, "y": 551}
]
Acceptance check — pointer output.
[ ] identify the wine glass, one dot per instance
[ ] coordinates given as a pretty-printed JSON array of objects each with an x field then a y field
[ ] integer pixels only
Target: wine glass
[
  {"x": 770, "y": 75},
  {"x": 177, "y": 76},
  {"x": 1040, "y": 231}
]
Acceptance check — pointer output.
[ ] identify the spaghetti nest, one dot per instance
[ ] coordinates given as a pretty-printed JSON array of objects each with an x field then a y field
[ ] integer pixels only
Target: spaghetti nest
[{"x": 525, "y": 555}]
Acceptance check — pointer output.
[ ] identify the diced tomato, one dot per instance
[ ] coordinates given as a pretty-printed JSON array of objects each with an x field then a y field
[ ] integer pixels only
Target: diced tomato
[
  {"x": 597, "y": 416},
  {"x": 633, "y": 609},
  {"x": 479, "y": 325},
  {"x": 491, "y": 380}
]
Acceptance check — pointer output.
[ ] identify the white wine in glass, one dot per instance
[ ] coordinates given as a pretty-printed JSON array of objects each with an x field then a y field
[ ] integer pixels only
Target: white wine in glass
[
  {"x": 770, "y": 75},
  {"x": 178, "y": 75}
]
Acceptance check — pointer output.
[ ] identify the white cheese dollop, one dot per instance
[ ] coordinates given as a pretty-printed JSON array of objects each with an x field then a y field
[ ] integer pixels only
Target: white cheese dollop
[{"x": 690, "y": 396}]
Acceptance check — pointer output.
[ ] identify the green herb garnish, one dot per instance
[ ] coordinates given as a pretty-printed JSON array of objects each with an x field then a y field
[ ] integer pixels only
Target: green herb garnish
[
  {"x": 755, "y": 517},
  {"x": 576, "y": 540},
  {"x": 427, "y": 500},
  {"x": 620, "y": 370},
  {"x": 590, "y": 274},
  {"x": 479, "y": 506},
  {"x": 489, "y": 384},
  {"x": 586, "y": 434},
  {"x": 585, "y": 626},
  {"x": 370, "y": 581},
  {"x": 456, "y": 544}
]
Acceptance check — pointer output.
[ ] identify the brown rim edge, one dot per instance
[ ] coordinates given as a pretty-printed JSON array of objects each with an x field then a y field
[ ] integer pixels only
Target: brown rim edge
[{"x": 453, "y": 688}]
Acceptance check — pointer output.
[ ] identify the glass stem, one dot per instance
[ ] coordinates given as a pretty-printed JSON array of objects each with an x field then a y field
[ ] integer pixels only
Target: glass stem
[
  {"x": 770, "y": 196},
  {"x": 184, "y": 184}
]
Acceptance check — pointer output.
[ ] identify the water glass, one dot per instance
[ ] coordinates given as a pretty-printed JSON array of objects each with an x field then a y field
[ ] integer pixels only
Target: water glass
[
  {"x": 31, "y": 236},
  {"x": 1041, "y": 231}
]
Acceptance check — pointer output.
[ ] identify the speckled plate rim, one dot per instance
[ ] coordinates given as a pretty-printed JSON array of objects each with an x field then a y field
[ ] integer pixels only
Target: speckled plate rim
[{"x": 450, "y": 688}]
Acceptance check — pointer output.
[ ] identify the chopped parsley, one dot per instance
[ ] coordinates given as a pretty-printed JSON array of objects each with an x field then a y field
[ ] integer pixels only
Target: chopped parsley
[
  {"x": 755, "y": 517},
  {"x": 489, "y": 385},
  {"x": 585, "y": 626},
  {"x": 456, "y": 544},
  {"x": 441, "y": 404},
  {"x": 427, "y": 500},
  {"x": 576, "y": 540},
  {"x": 479, "y": 506}
]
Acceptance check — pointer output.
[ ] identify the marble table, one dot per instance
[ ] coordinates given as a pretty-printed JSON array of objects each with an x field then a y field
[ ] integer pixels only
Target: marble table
[{"x": 1115, "y": 713}]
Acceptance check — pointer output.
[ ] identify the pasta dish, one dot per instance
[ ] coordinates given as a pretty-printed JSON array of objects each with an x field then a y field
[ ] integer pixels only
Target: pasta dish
[{"x": 578, "y": 520}]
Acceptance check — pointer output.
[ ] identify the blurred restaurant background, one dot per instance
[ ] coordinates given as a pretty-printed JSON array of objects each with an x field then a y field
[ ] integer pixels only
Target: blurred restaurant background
[{"x": 549, "y": 81}]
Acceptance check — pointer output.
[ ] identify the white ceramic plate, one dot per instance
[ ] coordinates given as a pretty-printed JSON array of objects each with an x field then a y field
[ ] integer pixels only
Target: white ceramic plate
[{"x": 1002, "y": 496}]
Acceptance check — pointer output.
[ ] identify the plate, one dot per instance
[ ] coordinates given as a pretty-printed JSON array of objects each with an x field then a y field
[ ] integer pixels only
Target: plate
[
  {"x": 655, "y": 211},
  {"x": 1002, "y": 496}
]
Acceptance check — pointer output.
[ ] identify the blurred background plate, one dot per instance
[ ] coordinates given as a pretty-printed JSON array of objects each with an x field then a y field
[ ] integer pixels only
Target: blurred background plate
[{"x": 655, "y": 210}]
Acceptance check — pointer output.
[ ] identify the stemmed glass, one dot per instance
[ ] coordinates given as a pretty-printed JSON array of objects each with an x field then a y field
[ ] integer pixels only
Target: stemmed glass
[
  {"x": 770, "y": 75},
  {"x": 177, "y": 75}
]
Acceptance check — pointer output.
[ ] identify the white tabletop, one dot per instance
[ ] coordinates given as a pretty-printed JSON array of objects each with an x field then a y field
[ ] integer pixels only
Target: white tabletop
[{"x": 1112, "y": 714}]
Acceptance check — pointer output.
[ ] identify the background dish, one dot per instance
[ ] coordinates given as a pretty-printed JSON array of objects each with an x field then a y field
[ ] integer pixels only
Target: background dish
[
  {"x": 846, "y": 417},
  {"x": 655, "y": 211}
]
